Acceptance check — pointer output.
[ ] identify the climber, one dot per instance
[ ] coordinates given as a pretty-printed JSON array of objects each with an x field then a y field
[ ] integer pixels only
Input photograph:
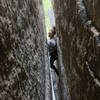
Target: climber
[{"x": 52, "y": 44}]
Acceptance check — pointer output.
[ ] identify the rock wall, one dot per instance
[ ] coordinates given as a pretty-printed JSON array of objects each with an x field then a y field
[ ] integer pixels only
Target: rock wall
[
  {"x": 22, "y": 61},
  {"x": 81, "y": 55}
]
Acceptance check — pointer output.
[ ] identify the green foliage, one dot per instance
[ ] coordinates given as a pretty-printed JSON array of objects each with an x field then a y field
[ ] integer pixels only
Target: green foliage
[{"x": 47, "y": 4}]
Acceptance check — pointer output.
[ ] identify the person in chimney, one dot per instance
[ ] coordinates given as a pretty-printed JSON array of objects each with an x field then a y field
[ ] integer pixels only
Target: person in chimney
[{"x": 52, "y": 44}]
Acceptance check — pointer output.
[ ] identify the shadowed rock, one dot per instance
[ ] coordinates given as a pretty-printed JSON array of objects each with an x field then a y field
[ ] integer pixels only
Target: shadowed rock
[
  {"x": 80, "y": 52},
  {"x": 22, "y": 61}
]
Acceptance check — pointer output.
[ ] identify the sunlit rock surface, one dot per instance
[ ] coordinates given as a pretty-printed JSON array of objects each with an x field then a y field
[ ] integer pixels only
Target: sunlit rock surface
[
  {"x": 51, "y": 16},
  {"x": 81, "y": 55},
  {"x": 22, "y": 61}
]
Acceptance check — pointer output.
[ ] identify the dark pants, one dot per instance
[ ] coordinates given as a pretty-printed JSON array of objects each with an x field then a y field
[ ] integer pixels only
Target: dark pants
[{"x": 53, "y": 57}]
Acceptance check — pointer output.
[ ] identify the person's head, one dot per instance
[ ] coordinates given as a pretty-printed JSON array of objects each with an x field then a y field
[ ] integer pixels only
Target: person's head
[{"x": 50, "y": 34}]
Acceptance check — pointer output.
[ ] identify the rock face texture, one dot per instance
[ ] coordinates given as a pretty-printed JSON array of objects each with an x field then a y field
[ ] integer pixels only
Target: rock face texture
[
  {"x": 80, "y": 52},
  {"x": 22, "y": 61}
]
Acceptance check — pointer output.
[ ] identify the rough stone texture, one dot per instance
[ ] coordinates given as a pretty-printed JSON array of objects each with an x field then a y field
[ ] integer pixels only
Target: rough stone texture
[
  {"x": 62, "y": 77},
  {"x": 81, "y": 55},
  {"x": 93, "y": 11},
  {"x": 22, "y": 61}
]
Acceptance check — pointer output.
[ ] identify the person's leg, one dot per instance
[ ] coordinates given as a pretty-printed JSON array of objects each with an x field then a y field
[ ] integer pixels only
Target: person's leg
[
  {"x": 52, "y": 59},
  {"x": 56, "y": 70}
]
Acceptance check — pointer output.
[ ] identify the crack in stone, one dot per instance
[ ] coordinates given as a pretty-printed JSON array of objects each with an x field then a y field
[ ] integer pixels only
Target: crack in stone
[
  {"x": 96, "y": 80},
  {"x": 91, "y": 28},
  {"x": 88, "y": 24}
]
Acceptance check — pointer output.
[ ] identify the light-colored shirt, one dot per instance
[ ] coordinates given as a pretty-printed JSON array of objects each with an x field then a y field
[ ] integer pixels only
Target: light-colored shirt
[{"x": 52, "y": 43}]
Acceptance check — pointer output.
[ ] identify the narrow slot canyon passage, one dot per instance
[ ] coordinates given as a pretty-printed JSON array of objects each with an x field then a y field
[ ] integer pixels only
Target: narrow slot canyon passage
[
  {"x": 25, "y": 59},
  {"x": 57, "y": 82}
]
